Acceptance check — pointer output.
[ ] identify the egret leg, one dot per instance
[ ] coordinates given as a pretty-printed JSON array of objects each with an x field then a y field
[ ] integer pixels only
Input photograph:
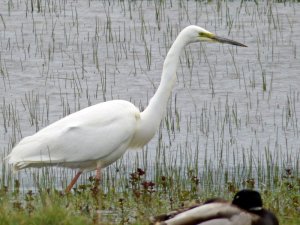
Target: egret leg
[
  {"x": 98, "y": 176},
  {"x": 97, "y": 192},
  {"x": 68, "y": 189},
  {"x": 98, "y": 173}
]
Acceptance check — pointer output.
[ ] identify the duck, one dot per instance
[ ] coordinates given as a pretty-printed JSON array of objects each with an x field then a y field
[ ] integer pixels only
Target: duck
[{"x": 246, "y": 208}]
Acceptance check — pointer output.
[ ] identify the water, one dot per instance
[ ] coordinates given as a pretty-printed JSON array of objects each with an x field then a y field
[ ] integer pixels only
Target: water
[{"x": 61, "y": 56}]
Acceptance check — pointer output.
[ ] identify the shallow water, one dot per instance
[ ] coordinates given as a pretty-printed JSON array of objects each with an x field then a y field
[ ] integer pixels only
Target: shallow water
[{"x": 65, "y": 55}]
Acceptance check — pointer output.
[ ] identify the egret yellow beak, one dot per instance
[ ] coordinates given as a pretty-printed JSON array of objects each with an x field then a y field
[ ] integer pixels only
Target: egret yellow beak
[{"x": 214, "y": 38}]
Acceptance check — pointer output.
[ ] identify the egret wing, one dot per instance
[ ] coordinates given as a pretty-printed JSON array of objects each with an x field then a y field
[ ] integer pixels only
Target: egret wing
[{"x": 98, "y": 132}]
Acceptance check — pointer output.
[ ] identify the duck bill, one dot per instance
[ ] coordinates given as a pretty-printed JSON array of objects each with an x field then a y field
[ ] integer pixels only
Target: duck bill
[{"x": 227, "y": 41}]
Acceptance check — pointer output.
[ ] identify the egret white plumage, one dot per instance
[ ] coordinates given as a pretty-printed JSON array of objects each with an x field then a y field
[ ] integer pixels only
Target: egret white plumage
[{"x": 97, "y": 136}]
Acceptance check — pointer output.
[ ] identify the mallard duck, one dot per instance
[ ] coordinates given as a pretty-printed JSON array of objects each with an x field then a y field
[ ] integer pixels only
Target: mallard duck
[{"x": 246, "y": 208}]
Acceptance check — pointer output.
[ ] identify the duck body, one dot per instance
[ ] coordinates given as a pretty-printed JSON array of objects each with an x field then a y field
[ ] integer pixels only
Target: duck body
[{"x": 245, "y": 209}]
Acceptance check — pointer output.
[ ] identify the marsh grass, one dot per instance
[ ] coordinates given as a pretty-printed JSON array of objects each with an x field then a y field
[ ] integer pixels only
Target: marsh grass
[
  {"x": 131, "y": 195},
  {"x": 133, "y": 198}
]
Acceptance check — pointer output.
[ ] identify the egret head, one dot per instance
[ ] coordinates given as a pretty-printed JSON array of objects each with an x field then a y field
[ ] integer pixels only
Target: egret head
[{"x": 199, "y": 34}]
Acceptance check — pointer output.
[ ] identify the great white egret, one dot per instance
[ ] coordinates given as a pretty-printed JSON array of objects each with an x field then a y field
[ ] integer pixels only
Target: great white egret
[
  {"x": 246, "y": 208},
  {"x": 97, "y": 136}
]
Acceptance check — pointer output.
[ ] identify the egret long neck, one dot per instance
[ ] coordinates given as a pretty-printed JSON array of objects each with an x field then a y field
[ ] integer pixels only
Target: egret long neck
[{"x": 153, "y": 114}]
